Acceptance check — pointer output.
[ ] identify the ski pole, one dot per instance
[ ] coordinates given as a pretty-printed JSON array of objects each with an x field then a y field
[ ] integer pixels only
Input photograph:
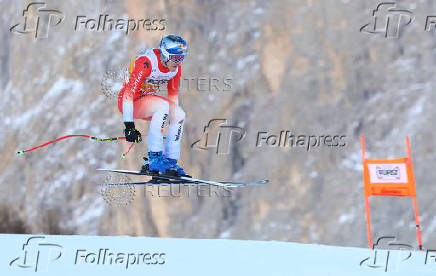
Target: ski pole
[
  {"x": 79, "y": 135},
  {"x": 124, "y": 154}
]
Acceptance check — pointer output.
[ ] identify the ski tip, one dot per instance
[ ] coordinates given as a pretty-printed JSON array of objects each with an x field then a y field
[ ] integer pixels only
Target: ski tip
[
  {"x": 245, "y": 184},
  {"x": 260, "y": 182},
  {"x": 20, "y": 152}
]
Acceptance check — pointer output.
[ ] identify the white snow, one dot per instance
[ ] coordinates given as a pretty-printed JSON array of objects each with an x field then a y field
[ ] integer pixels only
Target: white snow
[
  {"x": 114, "y": 36},
  {"x": 349, "y": 217},
  {"x": 405, "y": 64},
  {"x": 259, "y": 11},
  {"x": 242, "y": 62},
  {"x": 313, "y": 174},
  {"x": 212, "y": 35},
  {"x": 225, "y": 235},
  {"x": 354, "y": 162},
  {"x": 224, "y": 257}
]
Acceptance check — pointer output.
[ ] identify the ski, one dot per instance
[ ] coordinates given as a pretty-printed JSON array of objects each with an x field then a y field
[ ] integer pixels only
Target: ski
[
  {"x": 158, "y": 179},
  {"x": 148, "y": 183}
]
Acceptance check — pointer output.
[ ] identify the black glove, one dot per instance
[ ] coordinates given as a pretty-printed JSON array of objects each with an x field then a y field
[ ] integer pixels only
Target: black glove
[{"x": 131, "y": 133}]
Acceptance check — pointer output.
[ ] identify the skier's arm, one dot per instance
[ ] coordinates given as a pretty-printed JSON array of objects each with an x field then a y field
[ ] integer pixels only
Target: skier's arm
[
  {"x": 173, "y": 87},
  {"x": 141, "y": 70}
]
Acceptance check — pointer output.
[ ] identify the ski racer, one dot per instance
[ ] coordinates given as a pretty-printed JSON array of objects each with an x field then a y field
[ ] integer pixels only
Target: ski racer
[{"x": 148, "y": 71}]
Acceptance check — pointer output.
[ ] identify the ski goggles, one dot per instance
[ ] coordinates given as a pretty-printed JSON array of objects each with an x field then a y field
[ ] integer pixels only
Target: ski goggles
[{"x": 177, "y": 58}]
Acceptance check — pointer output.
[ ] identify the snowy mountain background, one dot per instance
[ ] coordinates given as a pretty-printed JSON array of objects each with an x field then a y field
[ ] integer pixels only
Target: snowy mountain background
[{"x": 302, "y": 66}]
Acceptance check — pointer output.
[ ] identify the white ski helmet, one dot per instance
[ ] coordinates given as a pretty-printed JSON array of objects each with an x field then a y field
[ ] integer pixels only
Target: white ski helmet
[{"x": 173, "y": 47}]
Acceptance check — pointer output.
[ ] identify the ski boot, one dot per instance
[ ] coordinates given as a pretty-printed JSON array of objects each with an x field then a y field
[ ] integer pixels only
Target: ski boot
[
  {"x": 154, "y": 174},
  {"x": 179, "y": 170},
  {"x": 145, "y": 166},
  {"x": 157, "y": 164}
]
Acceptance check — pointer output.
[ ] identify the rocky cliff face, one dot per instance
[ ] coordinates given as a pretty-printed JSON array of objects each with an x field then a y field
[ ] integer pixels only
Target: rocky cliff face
[{"x": 299, "y": 66}]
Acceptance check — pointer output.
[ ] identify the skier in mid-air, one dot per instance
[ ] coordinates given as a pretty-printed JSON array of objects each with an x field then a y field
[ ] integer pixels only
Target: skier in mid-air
[{"x": 150, "y": 69}]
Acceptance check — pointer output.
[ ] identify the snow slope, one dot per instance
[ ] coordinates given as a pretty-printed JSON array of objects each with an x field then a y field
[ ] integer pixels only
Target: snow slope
[{"x": 202, "y": 257}]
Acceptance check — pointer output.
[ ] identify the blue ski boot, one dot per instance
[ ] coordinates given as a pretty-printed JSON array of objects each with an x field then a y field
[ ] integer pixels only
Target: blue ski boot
[
  {"x": 179, "y": 170},
  {"x": 158, "y": 163}
]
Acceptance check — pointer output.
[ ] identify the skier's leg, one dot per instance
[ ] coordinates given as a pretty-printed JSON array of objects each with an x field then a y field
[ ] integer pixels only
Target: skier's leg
[
  {"x": 175, "y": 131},
  {"x": 174, "y": 136},
  {"x": 156, "y": 108}
]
